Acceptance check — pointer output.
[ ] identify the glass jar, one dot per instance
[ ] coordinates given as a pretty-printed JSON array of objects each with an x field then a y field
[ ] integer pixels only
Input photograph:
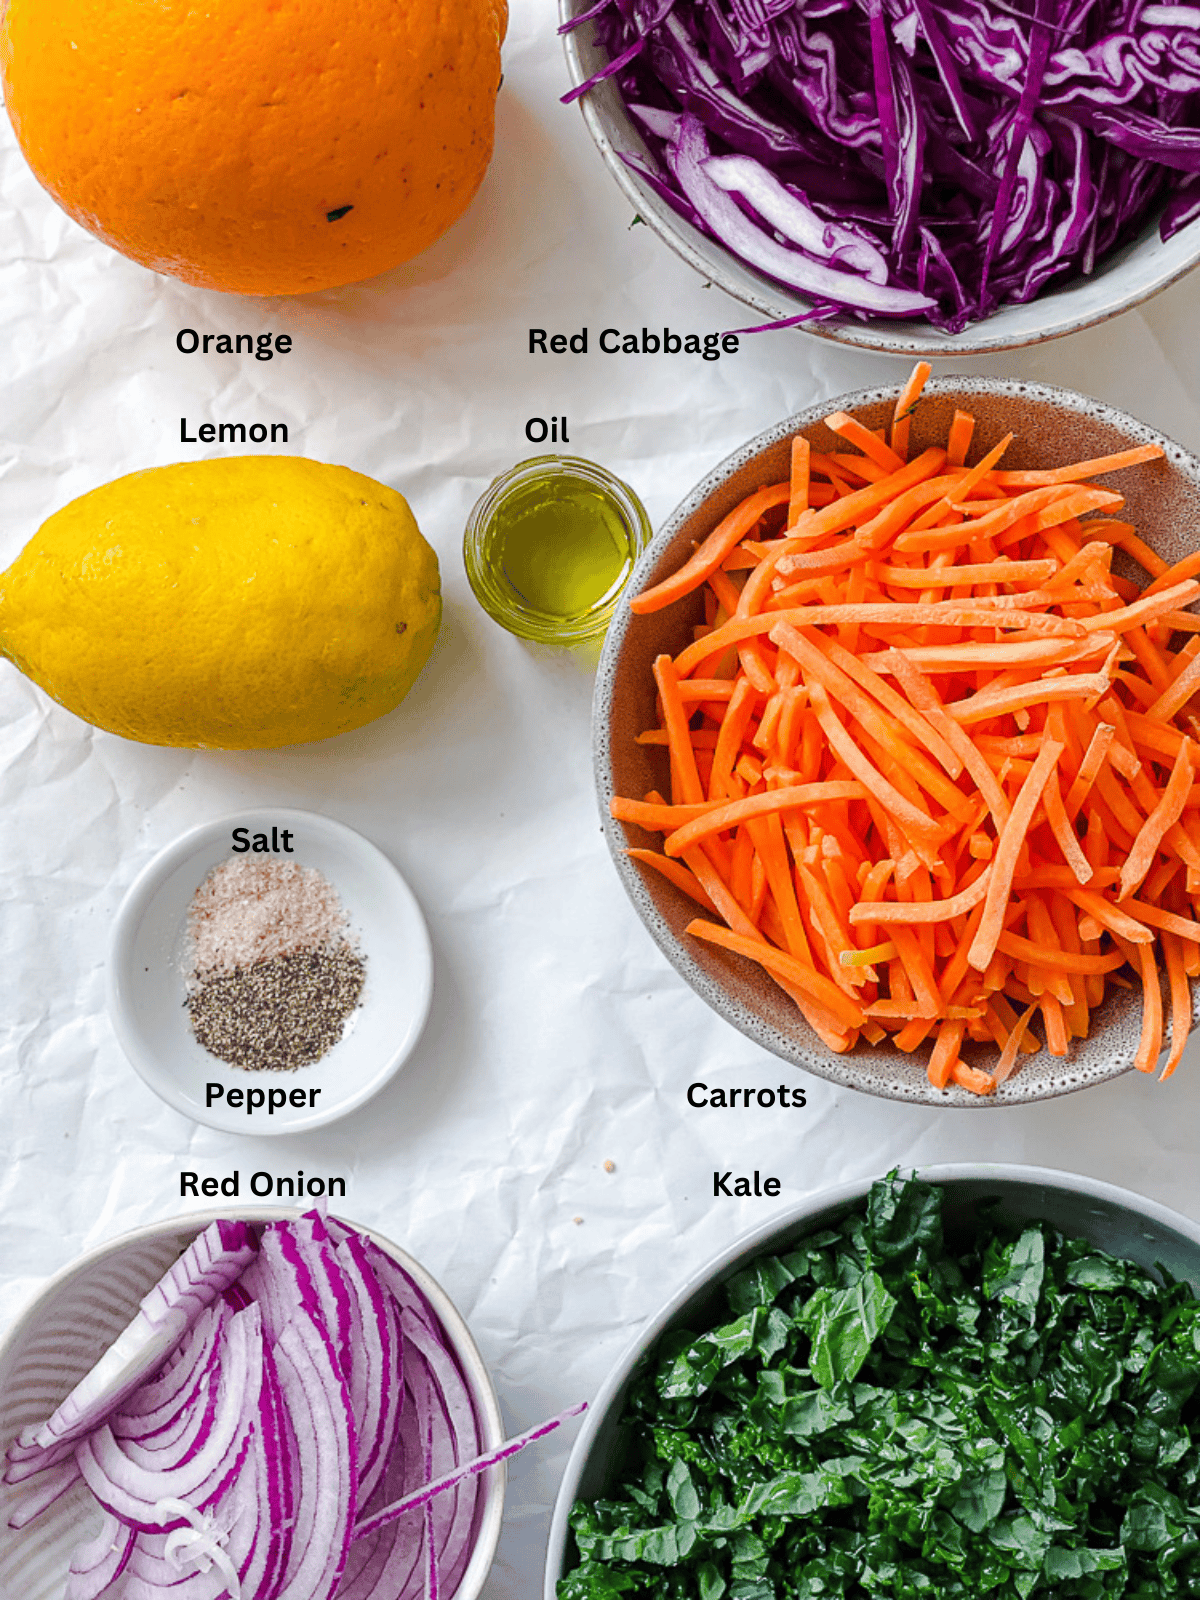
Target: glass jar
[{"x": 550, "y": 546}]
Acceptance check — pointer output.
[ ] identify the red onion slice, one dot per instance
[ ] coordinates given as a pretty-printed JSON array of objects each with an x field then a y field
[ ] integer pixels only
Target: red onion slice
[
  {"x": 376, "y": 1376},
  {"x": 207, "y": 1267},
  {"x": 129, "y": 1480},
  {"x": 318, "y": 1403},
  {"x": 53, "y": 1485},
  {"x": 307, "y": 1435},
  {"x": 490, "y": 1458},
  {"x": 99, "y": 1562},
  {"x": 157, "y": 1400}
]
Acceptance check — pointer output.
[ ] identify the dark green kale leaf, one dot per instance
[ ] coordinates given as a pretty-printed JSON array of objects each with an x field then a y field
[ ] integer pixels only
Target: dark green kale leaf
[
  {"x": 886, "y": 1417},
  {"x": 843, "y": 1324}
]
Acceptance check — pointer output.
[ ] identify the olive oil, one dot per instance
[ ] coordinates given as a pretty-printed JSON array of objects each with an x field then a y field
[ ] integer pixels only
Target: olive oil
[
  {"x": 562, "y": 546},
  {"x": 551, "y": 545}
]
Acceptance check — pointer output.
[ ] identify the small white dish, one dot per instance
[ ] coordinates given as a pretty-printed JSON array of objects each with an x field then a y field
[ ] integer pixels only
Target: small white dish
[{"x": 148, "y": 964}]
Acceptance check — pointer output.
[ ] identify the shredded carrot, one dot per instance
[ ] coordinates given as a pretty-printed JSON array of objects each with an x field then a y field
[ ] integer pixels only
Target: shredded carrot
[
  {"x": 679, "y": 875},
  {"x": 905, "y": 405},
  {"x": 930, "y": 759}
]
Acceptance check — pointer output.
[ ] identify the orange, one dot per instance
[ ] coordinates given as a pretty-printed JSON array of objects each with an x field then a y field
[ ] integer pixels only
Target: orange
[{"x": 257, "y": 146}]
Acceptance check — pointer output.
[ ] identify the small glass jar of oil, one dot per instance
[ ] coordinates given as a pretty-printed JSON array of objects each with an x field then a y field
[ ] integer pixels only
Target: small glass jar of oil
[{"x": 550, "y": 546}]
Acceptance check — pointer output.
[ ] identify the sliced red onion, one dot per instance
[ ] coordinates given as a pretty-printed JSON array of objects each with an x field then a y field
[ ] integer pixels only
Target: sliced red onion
[
  {"x": 183, "y": 1559},
  {"x": 26, "y": 1461},
  {"x": 183, "y": 1424},
  {"x": 828, "y": 241},
  {"x": 318, "y": 1404},
  {"x": 490, "y": 1458},
  {"x": 376, "y": 1378},
  {"x": 431, "y": 1566},
  {"x": 329, "y": 1280},
  {"x": 129, "y": 1480},
  {"x": 448, "y": 1380},
  {"x": 309, "y": 1435},
  {"x": 280, "y": 1282},
  {"x": 99, "y": 1562},
  {"x": 206, "y": 1268},
  {"x": 387, "y": 1563},
  {"x": 407, "y": 1294},
  {"x": 427, "y": 1518},
  {"x": 210, "y": 1264},
  {"x": 452, "y": 1514},
  {"x": 688, "y": 155},
  {"x": 278, "y": 1493},
  {"x": 54, "y": 1483},
  {"x": 158, "y": 1400}
]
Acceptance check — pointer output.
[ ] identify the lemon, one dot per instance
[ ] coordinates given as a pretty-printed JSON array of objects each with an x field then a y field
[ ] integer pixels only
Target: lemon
[{"x": 229, "y": 604}]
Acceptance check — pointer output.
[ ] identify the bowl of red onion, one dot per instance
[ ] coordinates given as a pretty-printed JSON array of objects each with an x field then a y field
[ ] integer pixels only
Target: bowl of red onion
[
  {"x": 247, "y": 1407},
  {"x": 922, "y": 180}
]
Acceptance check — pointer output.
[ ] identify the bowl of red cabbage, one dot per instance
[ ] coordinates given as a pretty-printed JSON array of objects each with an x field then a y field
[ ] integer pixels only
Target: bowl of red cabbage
[
  {"x": 978, "y": 1380},
  {"x": 905, "y": 177},
  {"x": 247, "y": 1408}
]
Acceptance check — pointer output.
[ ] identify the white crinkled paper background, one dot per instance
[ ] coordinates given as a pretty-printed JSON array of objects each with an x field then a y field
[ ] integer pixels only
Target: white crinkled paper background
[{"x": 559, "y": 1039}]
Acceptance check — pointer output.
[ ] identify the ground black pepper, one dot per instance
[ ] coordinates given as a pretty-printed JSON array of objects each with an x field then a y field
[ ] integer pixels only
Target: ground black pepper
[{"x": 278, "y": 1014}]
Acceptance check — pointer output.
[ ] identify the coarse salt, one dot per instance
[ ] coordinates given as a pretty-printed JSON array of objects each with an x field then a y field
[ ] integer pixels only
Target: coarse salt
[{"x": 250, "y": 911}]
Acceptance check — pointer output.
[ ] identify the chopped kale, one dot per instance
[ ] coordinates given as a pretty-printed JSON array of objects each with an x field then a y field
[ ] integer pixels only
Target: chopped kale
[{"x": 885, "y": 1417}]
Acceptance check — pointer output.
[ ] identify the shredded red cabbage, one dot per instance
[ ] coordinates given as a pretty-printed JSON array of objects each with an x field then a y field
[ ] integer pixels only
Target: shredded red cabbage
[{"x": 985, "y": 148}]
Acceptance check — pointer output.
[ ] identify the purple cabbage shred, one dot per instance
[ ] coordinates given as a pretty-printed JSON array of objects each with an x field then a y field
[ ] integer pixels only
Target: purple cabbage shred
[{"x": 990, "y": 149}]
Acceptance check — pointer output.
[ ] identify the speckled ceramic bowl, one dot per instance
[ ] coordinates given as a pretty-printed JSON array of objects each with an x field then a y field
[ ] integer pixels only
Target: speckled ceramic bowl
[
  {"x": 1052, "y": 426},
  {"x": 1124, "y": 1224},
  {"x": 1125, "y": 278}
]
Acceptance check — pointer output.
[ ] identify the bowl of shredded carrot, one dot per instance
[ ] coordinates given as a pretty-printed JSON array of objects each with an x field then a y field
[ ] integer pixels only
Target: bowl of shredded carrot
[{"x": 897, "y": 746}]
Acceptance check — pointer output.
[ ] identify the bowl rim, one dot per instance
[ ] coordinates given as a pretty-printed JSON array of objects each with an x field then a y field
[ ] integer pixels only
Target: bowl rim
[
  {"x": 140, "y": 894},
  {"x": 1176, "y": 257},
  {"x": 479, "y": 1379},
  {"x": 757, "y": 1238},
  {"x": 818, "y": 1059}
]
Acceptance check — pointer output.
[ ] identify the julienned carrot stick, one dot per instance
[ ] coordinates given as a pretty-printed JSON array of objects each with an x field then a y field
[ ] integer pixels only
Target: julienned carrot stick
[
  {"x": 649, "y": 814},
  {"x": 679, "y": 875},
  {"x": 924, "y": 751},
  {"x": 905, "y": 404},
  {"x": 1081, "y": 469},
  {"x": 1008, "y": 849},
  {"x": 1150, "y": 1043},
  {"x": 874, "y": 449},
  {"x": 1008, "y": 1055},
  {"x": 918, "y": 911},
  {"x": 1181, "y": 1002},
  {"x": 1165, "y": 815},
  {"x": 716, "y": 819},
  {"x": 886, "y": 614},
  {"x": 724, "y": 538},
  {"x": 804, "y": 976},
  {"x": 798, "y": 487},
  {"x": 958, "y": 442},
  {"x": 920, "y": 828}
]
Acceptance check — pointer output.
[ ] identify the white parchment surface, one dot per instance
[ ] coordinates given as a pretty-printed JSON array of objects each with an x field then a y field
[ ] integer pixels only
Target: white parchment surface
[{"x": 560, "y": 1042}]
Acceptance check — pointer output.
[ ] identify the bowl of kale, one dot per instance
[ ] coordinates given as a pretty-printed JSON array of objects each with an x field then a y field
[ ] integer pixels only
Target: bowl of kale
[{"x": 972, "y": 1381}]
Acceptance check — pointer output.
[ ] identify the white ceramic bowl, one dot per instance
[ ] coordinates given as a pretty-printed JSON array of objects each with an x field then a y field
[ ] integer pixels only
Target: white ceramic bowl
[
  {"x": 1124, "y": 279},
  {"x": 148, "y": 964},
  {"x": 1124, "y": 1224},
  {"x": 77, "y": 1316}
]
